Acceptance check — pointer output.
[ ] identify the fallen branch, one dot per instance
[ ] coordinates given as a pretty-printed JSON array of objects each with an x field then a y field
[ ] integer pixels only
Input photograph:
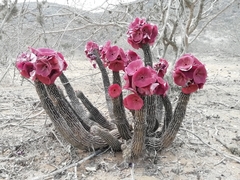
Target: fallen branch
[{"x": 229, "y": 156}]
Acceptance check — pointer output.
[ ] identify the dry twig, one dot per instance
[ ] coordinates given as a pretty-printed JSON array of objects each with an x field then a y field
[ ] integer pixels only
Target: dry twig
[
  {"x": 69, "y": 166},
  {"x": 229, "y": 156}
]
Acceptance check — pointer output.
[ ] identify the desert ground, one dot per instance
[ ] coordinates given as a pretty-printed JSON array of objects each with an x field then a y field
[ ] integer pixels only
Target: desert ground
[{"x": 207, "y": 146}]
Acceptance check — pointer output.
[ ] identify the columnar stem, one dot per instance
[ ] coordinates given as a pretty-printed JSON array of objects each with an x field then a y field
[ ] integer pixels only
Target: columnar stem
[
  {"x": 98, "y": 117},
  {"x": 72, "y": 96},
  {"x": 152, "y": 123},
  {"x": 138, "y": 140},
  {"x": 106, "y": 83},
  {"x": 58, "y": 121},
  {"x": 119, "y": 111},
  {"x": 170, "y": 133},
  {"x": 72, "y": 120},
  {"x": 147, "y": 55},
  {"x": 150, "y": 106},
  {"x": 112, "y": 141},
  {"x": 168, "y": 113}
]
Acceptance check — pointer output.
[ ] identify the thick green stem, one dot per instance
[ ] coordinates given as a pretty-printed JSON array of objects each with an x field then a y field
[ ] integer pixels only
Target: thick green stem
[
  {"x": 170, "y": 133},
  {"x": 119, "y": 111},
  {"x": 106, "y": 83},
  {"x": 98, "y": 117},
  {"x": 138, "y": 140}
]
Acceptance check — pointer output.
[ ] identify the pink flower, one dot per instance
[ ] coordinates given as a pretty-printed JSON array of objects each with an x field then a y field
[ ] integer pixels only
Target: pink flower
[
  {"x": 200, "y": 74},
  {"x": 150, "y": 33},
  {"x": 131, "y": 56},
  {"x": 184, "y": 63},
  {"x": 160, "y": 87},
  {"x": 190, "y": 89},
  {"x": 50, "y": 79},
  {"x": 143, "y": 77},
  {"x": 41, "y": 64},
  {"x": 43, "y": 67},
  {"x": 189, "y": 73},
  {"x": 116, "y": 65},
  {"x": 54, "y": 58},
  {"x": 140, "y": 32},
  {"x": 112, "y": 53},
  {"x": 133, "y": 67},
  {"x": 114, "y": 90},
  {"x": 133, "y": 102},
  {"x": 161, "y": 67},
  {"x": 25, "y": 64},
  {"x": 89, "y": 49},
  {"x": 179, "y": 78}
]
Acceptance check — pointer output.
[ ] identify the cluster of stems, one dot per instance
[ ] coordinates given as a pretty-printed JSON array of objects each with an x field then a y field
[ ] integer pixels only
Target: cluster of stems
[{"x": 150, "y": 129}]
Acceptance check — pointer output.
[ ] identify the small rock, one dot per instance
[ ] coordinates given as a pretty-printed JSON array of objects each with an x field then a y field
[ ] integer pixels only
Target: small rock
[{"x": 91, "y": 169}]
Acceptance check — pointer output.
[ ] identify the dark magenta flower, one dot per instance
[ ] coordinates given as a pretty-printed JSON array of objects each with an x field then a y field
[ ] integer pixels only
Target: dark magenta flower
[
  {"x": 41, "y": 64},
  {"x": 143, "y": 77},
  {"x": 50, "y": 79},
  {"x": 116, "y": 65},
  {"x": 189, "y": 73},
  {"x": 133, "y": 102},
  {"x": 25, "y": 64},
  {"x": 191, "y": 88},
  {"x": 160, "y": 87},
  {"x": 179, "y": 78},
  {"x": 114, "y": 90},
  {"x": 161, "y": 67},
  {"x": 132, "y": 56},
  {"x": 140, "y": 32}
]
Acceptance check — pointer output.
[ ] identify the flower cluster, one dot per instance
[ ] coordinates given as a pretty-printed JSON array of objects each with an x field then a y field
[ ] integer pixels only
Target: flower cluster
[
  {"x": 41, "y": 64},
  {"x": 189, "y": 73},
  {"x": 142, "y": 81},
  {"x": 140, "y": 32},
  {"x": 112, "y": 57}
]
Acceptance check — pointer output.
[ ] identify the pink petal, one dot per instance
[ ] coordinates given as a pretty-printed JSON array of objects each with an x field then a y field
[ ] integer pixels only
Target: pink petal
[
  {"x": 185, "y": 63},
  {"x": 116, "y": 65},
  {"x": 112, "y": 53},
  {"x": 179, "y": 78},
  {"x": 133, "y": 67},
  {"x": 160, "y": 87},
  {"x": 132, "y": 56},
  {"x": 143, "y": 77},
  {"x": 114, "y": 90},
  {"x": 190, "y": 89},
  {"x": 200, "y": 75},
  {"x": 133, "y": 102},
  {"x": 43, "y": 67}
]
